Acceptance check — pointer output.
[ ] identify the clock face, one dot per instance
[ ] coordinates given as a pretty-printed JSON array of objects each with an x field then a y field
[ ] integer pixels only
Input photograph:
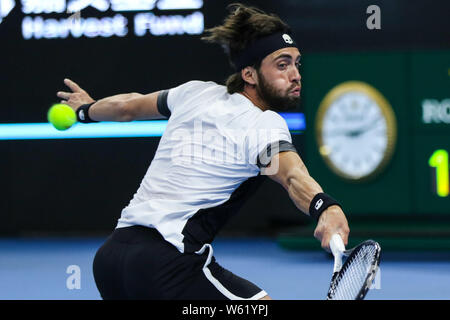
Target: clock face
[{"x": 355, "y": 130}]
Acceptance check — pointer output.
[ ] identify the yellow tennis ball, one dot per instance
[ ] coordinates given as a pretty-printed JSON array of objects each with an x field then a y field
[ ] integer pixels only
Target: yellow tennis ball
[{"x": 61, "y": 116}]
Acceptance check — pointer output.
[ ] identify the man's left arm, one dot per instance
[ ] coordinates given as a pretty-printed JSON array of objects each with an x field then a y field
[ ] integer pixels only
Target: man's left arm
[{"x": 121, "y": 107}]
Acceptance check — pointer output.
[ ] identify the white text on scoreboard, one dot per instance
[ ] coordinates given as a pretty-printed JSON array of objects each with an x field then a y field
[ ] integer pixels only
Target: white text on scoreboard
[{"x": 115, "y": 18}]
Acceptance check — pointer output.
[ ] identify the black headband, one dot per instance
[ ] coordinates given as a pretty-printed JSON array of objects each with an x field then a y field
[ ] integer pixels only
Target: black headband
[{"x": 259, "y": 49}]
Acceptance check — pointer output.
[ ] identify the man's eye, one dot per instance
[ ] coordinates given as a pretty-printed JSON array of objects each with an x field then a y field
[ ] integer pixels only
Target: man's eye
[
  {"x": 282, "y": 65},
  {"x": 298, "y": 64}
]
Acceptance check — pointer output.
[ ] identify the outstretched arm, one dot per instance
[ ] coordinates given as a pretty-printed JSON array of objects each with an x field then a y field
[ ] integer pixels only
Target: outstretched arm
[
  {"x": 293, "y": 175},
  {"x": 121, "y": 107}
]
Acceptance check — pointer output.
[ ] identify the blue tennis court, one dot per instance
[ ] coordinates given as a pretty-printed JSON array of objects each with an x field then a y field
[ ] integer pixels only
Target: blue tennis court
[{"x": 33, "y": 269}]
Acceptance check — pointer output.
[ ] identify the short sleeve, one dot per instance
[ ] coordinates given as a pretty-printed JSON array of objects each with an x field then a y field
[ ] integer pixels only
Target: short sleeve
[
  {"x": 270, "y": 135},
  {"x": 169, "y": 99}
]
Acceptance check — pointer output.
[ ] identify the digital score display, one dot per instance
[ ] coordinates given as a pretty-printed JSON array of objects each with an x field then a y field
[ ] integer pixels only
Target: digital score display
[
  {"x": 439, "y": 161},
  {"x": 430, "y": 88},
  {"x": 436, "y": 118}
]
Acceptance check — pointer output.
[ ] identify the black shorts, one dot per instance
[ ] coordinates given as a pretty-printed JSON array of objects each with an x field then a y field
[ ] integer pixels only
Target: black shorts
[{"x": 138, "y": 263}]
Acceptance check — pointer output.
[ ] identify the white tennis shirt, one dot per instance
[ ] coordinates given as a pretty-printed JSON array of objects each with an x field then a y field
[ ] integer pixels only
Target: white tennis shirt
[{"x": 206, "y": 163}]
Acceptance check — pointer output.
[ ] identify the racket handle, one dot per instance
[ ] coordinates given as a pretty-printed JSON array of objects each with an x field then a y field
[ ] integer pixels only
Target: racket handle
[{"x": 337, "y": 248}]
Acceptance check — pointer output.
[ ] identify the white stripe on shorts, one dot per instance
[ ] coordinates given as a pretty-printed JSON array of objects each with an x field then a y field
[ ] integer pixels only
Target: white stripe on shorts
[{"x": 216, "y": 282}]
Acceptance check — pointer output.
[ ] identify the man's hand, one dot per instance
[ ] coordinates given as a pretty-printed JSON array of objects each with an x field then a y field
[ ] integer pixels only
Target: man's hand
[
  {"x": 76, "y": 98},
  {"x": 331, "y": 221}
]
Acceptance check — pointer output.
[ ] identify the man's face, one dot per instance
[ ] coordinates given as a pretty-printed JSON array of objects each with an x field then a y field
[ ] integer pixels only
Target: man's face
[{"x": 279, "y": 79}]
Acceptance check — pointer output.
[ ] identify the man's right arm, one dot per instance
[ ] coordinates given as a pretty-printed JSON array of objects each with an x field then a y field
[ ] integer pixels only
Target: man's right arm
[{"x": 293, "y": 175}]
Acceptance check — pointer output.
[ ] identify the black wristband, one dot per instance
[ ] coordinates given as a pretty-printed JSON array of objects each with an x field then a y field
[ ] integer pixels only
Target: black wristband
[
  {"x": 320, "y": 203},
  {"x": 83, "y": 113}
]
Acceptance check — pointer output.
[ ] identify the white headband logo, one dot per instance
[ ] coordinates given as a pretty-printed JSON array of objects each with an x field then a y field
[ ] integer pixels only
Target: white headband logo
[{"x": 287, "y": 39}]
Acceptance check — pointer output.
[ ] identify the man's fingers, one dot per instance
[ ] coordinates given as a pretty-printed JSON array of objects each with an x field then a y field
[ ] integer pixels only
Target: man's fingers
[
  {"x": 344, "y": 237},
  {"x": 326, "y": 243},
  {"x": 72, "y": 85},
  {"x": 344, "y": 232},
  {"x": 64, "y": 95}
]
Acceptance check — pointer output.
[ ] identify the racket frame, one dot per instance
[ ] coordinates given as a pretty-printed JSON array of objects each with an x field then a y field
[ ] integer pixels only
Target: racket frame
[{"x": 338, "y": 249}]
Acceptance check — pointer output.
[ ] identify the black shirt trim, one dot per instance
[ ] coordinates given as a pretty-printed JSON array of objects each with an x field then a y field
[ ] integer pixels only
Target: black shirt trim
[
  {"x": 161, "y": 103},
  {"x": 272, "y": 149}
]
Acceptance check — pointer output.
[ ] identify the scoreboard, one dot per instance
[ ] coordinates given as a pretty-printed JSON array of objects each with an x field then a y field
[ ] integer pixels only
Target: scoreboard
[
  {"x": 404, "y": 129},
  {"x": 430, "y": 104}
]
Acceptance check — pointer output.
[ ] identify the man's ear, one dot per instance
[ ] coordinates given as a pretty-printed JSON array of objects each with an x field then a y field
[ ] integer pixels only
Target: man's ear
[{"x": 249, "y": 75}]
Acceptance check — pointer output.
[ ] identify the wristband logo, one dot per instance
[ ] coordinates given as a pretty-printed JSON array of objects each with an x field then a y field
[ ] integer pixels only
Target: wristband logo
[
  {"x": 319, "y": 204},
  {"x": 5, "y": 8},
  {"x": 81, "y": 115}
]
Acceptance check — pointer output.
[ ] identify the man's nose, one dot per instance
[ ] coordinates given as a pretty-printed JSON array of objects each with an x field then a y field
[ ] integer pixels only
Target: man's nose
[{"x": 295, "y": 76}]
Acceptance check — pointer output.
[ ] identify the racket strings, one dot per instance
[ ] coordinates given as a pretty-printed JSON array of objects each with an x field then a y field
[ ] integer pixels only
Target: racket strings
[{"x": 354, "y": 274}]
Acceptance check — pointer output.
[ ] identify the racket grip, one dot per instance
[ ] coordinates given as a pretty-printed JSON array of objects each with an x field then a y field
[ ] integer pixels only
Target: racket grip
[{"x": 337, "y": 248}]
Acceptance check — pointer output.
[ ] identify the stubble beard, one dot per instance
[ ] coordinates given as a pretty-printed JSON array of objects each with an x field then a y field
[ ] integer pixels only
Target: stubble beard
[{"x": 275, "y": 100}]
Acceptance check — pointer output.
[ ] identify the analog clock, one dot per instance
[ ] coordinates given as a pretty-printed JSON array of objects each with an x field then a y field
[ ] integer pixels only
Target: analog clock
[{"x": 356, "y": 130}]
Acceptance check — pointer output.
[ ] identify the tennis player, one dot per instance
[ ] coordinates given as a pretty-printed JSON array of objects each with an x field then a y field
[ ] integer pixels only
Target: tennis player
[{"x": 219, "y": 144}]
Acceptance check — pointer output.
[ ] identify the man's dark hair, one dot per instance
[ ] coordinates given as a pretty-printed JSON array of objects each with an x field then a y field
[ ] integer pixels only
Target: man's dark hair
[{"x": 241, "y": 27}]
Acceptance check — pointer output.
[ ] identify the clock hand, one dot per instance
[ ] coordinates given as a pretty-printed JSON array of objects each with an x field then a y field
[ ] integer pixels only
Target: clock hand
[
  {"x": 354, "y": 132},
  {"x": 361, "y": 130}
]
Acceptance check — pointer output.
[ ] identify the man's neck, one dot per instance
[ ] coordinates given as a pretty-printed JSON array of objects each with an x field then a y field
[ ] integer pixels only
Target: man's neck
[{"x": 251, "y": 94}]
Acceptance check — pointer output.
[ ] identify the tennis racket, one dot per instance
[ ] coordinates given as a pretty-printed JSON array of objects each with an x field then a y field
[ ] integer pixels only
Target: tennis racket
[{"x": 352, "y": 279}]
